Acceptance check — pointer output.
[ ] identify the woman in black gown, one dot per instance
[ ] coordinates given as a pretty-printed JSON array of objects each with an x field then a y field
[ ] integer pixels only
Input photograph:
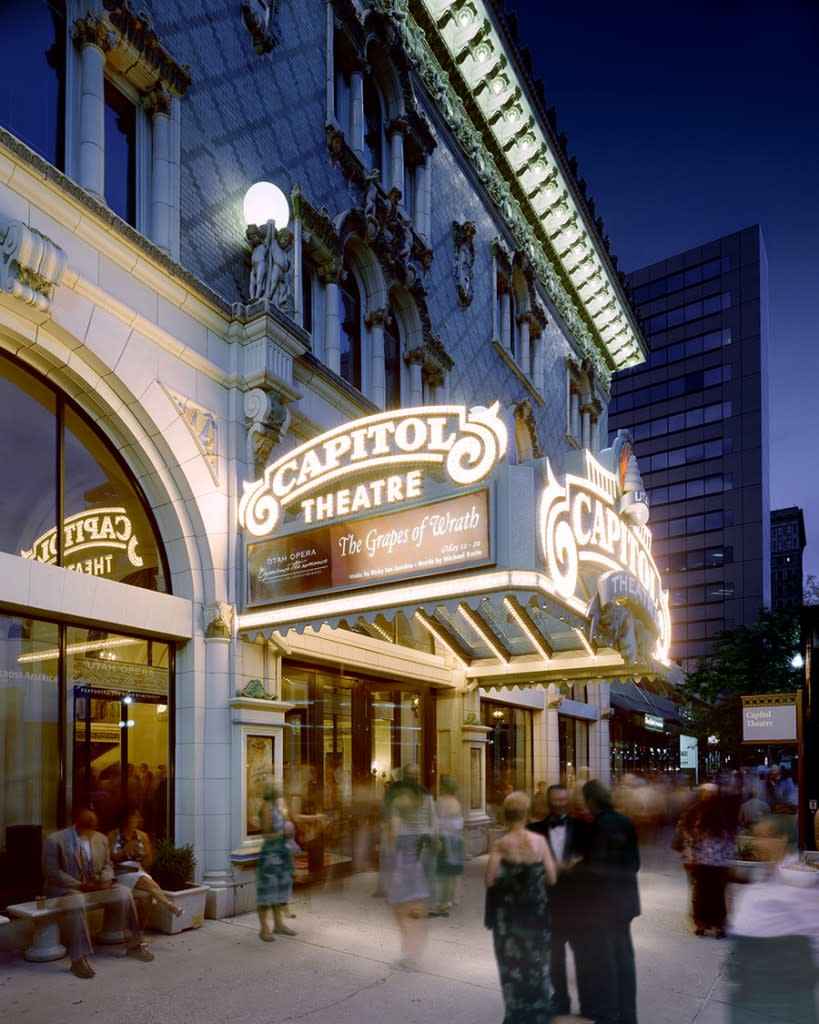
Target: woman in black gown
[{"x": 520, "y": 867}]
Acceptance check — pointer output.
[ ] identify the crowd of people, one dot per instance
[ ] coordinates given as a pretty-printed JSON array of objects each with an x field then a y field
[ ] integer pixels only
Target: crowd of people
[{"x": 561, "y": 878}]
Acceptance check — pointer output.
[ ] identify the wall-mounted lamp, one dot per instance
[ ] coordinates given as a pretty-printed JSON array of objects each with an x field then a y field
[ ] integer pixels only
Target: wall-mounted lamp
[
  {"x": 266, "y": 202},
  {"x": 267, "y": 214}
]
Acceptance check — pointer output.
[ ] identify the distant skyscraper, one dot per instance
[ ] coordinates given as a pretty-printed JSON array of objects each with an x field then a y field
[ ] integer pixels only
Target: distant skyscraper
[
  {"x": 698, "y": 410},
  {"x": 787, "y": 544}
]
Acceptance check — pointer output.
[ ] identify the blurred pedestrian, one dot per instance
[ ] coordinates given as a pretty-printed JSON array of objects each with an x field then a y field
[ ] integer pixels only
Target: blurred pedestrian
[
  {"x": 520, "y": 867},
  {"x": 706, "y": 842},
  {"x": 567, "y": 836},
  {"x": 609, "y": 875},
  {"x": 274, "y": 869},
  {"x": 449, "y": 858},
  {"x": 411, "y": 835}
]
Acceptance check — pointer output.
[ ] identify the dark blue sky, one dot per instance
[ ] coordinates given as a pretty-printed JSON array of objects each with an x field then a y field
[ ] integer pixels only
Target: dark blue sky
[{"x": 691, "y": 120}]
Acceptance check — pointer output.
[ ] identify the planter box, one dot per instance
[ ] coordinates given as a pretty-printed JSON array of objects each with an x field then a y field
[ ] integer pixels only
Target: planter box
[{"x": 192, "y": 899}]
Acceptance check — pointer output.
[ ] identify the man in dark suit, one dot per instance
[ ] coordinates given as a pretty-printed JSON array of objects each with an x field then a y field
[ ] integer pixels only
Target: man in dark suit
[
  {"x": 566, "y": 836},
  {"x": 77, "y": 867},
  {"x": 609, "y": 873}
]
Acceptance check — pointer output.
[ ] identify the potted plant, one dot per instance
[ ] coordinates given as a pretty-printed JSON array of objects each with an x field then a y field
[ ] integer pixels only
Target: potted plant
[
  {"x": 755, "y": 858},
  {"x": 173, "y": 870}
]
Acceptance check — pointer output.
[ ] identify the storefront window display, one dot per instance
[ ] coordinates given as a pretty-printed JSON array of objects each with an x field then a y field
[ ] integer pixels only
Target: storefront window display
[
  {"x": 84, "y": 720},
  {"x": 508, "y": 751}
]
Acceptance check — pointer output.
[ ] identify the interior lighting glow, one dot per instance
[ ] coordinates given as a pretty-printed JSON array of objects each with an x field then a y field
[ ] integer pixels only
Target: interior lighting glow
[
  {"x": 78, "y": 648},
  {"x": 499, "y": 84}
]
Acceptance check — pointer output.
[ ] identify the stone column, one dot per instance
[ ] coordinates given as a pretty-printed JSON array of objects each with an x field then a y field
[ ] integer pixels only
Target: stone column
[
  {"x": 599, "y": 734},
  {"x": 375, "y": 321},
  {"x": 395, "y": 131},
  {"x": 216, "y": 775},
  {"x": 552, "y": 759},
  {"x": 158, "y": 106},
  {"x": 415, "y": 360},
  {"x": 356, "y": 139},
  {"x": 504, "y": 326},
  {"x": 473, "y": 773},
  {"x": 426, "y": 193},
  {"x": 585, "y": 429},
  {"x": 537, "y": 362},
  {"x": 523, "y": 339},
  {"x": 595, "y": 435},
  {"x": 574, "y": 415},
  {"x": 92, "y": 37},
  {"x": 330, "y": 274}
]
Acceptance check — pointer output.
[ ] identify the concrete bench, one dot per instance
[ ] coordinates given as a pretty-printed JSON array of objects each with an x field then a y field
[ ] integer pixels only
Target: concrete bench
[{"x": 44, "y": 918}]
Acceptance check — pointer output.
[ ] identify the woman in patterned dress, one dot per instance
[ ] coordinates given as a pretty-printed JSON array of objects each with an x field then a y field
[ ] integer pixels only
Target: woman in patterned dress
[
  {"x": 274, "y": 870},
  {"x": 520, "y": 867}
]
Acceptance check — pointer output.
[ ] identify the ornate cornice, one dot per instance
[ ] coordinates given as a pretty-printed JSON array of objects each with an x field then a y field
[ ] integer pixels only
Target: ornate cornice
[
  {"x": 473, "y": 81},
  {"x": 139, "y": 42}
]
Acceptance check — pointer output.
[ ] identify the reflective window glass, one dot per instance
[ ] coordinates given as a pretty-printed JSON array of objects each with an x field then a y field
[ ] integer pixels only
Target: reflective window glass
[
  {"x": 693, "y": 418},
  {"x": 693, "y": 346},
  {"x": 29, "y": 738},
  {"x": 693, "y": 311},
  {"x": 32, "y": 55},
  {"x": 713, "y": 304},
  {"x": 693, "y": 276},
  {"x": 106, "y": 529},
  {"x": 120, "y": 153},
  {"x": 694, "y": 488},
  {"x": 350, "y": 331},
  {"x": 392, "y": 365},
  {"x": 675, "y": 282},
  {"x": 676, "y": 422},
  {"x": 28, "y": 497},
  {"x": 714, "y": 520},
  {"x": 676, "y": 316}
]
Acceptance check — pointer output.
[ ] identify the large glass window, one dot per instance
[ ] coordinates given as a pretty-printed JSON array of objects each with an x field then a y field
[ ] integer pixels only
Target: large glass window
[
  {"x": 350, "y": 361},
  {"x": 84, "y": 721},
  {"x": 508, "y": 751},
  {"x": 106, "y": 527},
  {"x": 32, "y": 55},
  {"x": 120, "y": 153},
  {"x": 392, "y": 365}
]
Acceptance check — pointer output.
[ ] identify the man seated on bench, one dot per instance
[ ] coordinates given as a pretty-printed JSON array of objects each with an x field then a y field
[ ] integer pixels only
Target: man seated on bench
[{"x": 77, "y": 867}]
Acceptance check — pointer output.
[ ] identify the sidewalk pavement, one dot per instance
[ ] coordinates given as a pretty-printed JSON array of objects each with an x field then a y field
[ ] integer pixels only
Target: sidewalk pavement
[{"x": 337, "y": 968}]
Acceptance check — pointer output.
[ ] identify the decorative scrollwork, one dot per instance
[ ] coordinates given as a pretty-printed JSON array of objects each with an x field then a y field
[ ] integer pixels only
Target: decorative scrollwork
[{"x": 31, "y": 265}]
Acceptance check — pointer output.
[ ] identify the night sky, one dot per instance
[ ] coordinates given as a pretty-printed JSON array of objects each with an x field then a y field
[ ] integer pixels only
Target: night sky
[{"x": 692, "y": 120}]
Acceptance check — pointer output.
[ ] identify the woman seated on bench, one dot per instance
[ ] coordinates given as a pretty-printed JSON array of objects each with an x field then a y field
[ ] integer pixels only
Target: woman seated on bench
[{"x": 131, "y": 854}]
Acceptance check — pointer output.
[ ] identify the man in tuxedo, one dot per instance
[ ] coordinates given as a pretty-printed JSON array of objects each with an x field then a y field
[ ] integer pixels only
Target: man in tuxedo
[
  {"x": 609, "y": 876},
  {"x": 566, "y": 836},
  {"x": 78, "y": 869}
]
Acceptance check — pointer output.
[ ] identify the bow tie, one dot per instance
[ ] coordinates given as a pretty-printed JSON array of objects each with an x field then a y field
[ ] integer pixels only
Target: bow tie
[{"x": 557, "y": 822}]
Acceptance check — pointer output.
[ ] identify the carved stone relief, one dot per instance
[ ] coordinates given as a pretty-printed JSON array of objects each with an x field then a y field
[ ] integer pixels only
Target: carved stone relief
[
  {"x": 31, "y": 265},
  {"x": 464, "y": 261}
]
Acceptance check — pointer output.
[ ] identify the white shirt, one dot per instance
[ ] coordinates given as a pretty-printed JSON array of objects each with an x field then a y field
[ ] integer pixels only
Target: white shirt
[{"x": 557, "y": 840}]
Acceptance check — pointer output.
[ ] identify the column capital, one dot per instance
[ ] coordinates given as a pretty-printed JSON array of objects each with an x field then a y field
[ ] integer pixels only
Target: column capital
[
  {"x": 91, "y": 31},
  {"x": 378, "y": 317},
  {"x": 330, "y": 272},
  {"x": 157, "y": 102}
]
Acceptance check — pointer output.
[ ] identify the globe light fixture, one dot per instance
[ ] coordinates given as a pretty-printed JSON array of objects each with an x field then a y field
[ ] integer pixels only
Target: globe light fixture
[{"x": 266, "y": 202}]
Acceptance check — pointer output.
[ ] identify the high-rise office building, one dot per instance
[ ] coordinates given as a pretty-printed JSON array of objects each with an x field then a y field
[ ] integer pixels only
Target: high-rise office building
[
  {"x": 698, "y": 411},
  {"x": 787, "y": 544}
]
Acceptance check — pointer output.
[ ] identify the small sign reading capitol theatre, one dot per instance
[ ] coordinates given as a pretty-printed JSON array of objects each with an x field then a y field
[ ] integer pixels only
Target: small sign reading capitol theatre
[{"x": 366, "y": 466}]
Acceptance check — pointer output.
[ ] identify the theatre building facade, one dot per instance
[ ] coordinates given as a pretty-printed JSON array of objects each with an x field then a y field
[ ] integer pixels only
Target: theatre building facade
[{"x": 309, "y": 490}]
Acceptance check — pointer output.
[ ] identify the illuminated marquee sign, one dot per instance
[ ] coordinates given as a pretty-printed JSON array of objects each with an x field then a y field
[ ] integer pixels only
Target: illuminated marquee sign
[
  {"x": 381, "y": 460},
  {"x": 90, "y": 541},
  {"x": 594, "y": 525}
]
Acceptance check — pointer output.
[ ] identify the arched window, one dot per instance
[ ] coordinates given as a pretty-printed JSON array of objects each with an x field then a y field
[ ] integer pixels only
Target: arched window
[
  {"x": 61, "y": 470},
  {"x": 392, "y": 365},
  {"x": 33, "y": 56},
  {"x": 350, "y": 334}
]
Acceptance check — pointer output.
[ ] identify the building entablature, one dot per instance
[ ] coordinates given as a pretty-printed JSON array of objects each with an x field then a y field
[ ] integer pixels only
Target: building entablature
[{"x": 463, "y": 57}]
